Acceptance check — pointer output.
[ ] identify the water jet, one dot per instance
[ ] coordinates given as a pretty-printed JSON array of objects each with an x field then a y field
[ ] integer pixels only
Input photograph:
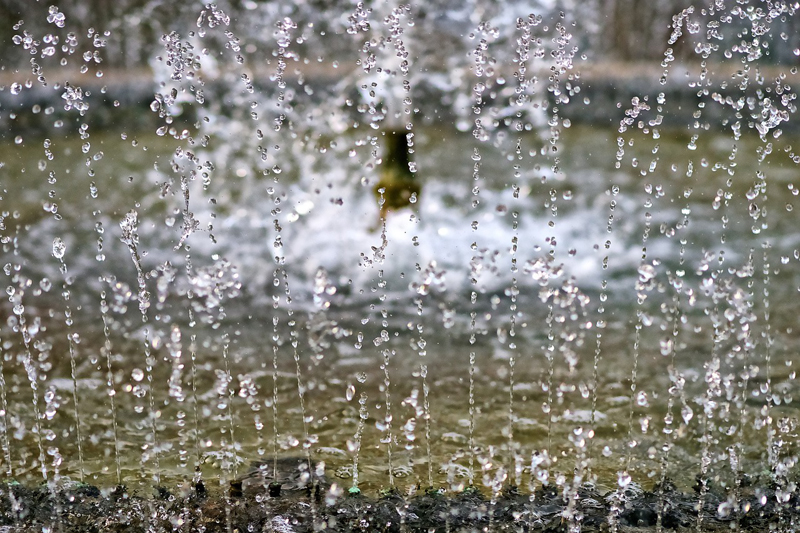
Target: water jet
[{"x": 574, "y": 327}]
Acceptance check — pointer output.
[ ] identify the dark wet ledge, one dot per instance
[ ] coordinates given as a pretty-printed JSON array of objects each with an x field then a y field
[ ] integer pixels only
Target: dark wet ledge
[{"x": 80, "y": 508}]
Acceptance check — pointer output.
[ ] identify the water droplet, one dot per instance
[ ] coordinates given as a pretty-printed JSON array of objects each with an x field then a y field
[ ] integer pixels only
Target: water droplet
[
  {"x": 59, "y": 248},
  {"x": 641, "y": 399},
  {"x": 687, "y": 414},
  {"x": 666, "y": 346}
]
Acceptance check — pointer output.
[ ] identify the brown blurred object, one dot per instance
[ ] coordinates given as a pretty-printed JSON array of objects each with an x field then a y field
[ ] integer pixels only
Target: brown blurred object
[{"x": 398, "y": 187}]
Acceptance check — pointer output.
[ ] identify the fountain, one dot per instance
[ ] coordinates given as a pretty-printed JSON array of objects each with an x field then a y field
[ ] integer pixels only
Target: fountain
[{"x": 374, "y": 267}]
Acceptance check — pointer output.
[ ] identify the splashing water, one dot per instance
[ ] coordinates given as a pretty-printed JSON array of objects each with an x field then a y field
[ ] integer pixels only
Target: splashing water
[{"x": 400, "y": 244}]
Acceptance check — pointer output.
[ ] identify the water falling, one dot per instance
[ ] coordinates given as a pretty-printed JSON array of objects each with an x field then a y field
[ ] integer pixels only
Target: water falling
[{"x": 225, "y": 231}]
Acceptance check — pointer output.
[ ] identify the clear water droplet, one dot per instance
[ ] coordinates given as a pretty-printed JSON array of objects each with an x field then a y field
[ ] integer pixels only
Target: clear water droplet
[{"x": 59, "y": 248}]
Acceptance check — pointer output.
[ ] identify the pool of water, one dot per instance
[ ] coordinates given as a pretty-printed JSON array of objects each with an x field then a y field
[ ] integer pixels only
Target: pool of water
[{"x": 518, "y": 327}]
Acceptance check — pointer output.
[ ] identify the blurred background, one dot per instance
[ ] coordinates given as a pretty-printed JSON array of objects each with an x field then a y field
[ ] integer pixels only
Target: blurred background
[{"x": 613, "y": 30}]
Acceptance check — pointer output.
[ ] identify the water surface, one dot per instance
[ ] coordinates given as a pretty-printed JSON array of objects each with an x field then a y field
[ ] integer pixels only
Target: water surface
[{"x": 506, "y": 271}]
